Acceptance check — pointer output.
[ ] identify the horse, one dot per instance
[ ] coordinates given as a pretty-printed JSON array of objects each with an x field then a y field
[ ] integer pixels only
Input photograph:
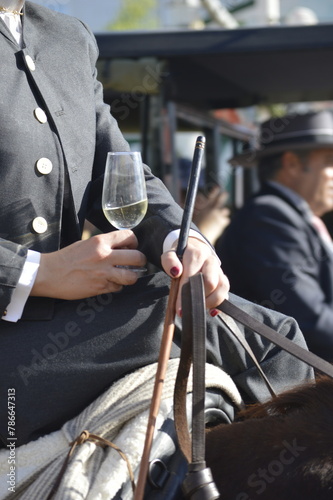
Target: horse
[{"x": 278, "y": 450}]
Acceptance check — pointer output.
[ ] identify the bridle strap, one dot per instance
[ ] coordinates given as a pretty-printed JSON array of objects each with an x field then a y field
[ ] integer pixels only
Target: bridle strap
[
  {"x": 198, "y": 482},
  {"x": 193, "y": 351},
  {"x": 265, "y": 331},
  {"x": 194, "y": 328},
  {"x": 232, "y": 326}
]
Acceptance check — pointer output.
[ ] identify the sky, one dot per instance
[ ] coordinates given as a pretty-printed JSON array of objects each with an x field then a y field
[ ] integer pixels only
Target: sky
[{"x": 97, "y": 13}]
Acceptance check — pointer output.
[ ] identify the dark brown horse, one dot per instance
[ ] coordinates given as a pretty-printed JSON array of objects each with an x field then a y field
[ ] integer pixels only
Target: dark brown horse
[{"x": 279, "y": 450}]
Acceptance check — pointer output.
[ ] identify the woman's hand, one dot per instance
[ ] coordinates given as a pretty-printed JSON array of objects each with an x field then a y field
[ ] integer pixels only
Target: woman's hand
[
  {"x": 198, "y": 257},
  {"x": 87, "y": 268}
]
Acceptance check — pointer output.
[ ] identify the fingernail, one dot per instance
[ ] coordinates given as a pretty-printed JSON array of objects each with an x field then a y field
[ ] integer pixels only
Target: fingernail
[
  {"x": 214, "y": 312},
  {"x": 174, "y": 271},
  {"x": 180, "y": 313}
]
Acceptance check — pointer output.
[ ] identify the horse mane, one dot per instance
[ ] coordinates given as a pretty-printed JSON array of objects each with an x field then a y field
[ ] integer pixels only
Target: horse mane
[
  {"x": 280, "y": 449},
  {"x": 306, "y": 396}
]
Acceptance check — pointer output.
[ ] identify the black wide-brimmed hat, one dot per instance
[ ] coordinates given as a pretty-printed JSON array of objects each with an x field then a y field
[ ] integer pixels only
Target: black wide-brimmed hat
[{"x": 290, "y": 132}]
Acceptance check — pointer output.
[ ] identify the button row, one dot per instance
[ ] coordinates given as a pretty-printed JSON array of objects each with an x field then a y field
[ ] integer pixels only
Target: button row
[
  {"x": 38, "y": 112},
  {"x": 43, "y": 165}
]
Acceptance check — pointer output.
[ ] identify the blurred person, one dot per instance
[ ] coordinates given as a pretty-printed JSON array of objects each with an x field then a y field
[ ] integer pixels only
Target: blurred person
[
  {"x": 211, "y": 215},
  {"x": 277, "y": 251}
]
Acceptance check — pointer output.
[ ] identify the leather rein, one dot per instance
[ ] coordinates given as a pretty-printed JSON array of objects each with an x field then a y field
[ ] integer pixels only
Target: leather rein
[{"x": 199, "y": 483}]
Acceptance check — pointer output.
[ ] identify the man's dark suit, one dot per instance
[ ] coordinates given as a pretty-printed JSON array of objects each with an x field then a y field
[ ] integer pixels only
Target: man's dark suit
[
  {"x": 65, "y": 353},
  {"x": 274, "y": 256}
]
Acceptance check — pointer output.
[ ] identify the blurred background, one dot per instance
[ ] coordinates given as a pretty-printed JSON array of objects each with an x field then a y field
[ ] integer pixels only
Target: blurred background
[
  {"x": 176, "y": 69},
  {"x": 159, "y": 14}
]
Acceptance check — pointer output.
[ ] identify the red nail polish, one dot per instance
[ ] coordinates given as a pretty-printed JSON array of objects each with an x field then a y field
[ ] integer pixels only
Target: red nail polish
[
  {"x": 180, "y": 313},
  {"x": 214, "y": 312},
  {"x": 174, "y": 271}
]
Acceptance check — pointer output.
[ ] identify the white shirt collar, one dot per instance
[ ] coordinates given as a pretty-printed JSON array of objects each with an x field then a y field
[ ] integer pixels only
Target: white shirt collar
[{"x": 14, "y": 24}]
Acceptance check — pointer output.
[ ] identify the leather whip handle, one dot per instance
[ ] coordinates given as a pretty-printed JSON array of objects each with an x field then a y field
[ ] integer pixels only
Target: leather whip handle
[
  {"x": 169, "y": 324},
  {"x": 190, "y": 196}
]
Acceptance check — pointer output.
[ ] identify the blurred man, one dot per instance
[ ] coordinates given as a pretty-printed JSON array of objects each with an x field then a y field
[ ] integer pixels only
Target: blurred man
[{"x": 277, "y": 251}]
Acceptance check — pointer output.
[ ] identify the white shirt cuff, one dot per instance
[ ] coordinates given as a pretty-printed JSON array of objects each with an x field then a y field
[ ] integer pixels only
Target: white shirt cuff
[
  {"x": 22, "y": 291},
  {"x": 174, "y": 235}
]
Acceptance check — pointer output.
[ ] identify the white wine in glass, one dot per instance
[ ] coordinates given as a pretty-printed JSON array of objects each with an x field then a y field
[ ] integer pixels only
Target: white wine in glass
[{"x": 124, "y": 198}]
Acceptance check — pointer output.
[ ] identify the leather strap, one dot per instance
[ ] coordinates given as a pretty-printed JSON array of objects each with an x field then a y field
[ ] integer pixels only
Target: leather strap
[
  {"x": 198, "y": 483},
  {"x": 265, "y": 331},
  {"x": 193, "y": 351},
  {"x": 229, "y": 323},
  {"x": 198, "y": 336}
]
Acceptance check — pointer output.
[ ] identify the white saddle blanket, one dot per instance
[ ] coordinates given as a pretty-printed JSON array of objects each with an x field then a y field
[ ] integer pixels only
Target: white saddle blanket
[{"x": 119, "y": 415}]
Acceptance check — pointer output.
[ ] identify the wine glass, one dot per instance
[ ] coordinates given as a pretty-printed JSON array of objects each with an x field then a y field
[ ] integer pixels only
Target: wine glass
[{"x": 124, "y": 198}]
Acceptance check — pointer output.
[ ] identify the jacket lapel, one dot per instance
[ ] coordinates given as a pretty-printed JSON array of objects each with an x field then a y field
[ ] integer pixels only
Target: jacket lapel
[{"x": 326, "y": 252}]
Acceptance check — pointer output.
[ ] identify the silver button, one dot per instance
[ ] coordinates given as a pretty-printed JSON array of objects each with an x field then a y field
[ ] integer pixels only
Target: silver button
[
  {"x": 39, "y": 225},
  {"x": 44, "y": 166},
  {"x": 30, "y": 63},
  {"x": 40, "y": 115}
]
